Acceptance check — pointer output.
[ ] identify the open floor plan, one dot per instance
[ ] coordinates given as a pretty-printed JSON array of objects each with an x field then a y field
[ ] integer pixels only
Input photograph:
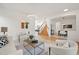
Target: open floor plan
[{"x": 39, "y": 28}]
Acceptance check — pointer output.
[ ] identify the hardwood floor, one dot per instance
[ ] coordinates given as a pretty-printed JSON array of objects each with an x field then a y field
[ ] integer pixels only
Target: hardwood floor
[
  {"x": 52, "y": 39},
  {"x": 49, "y": 39}
]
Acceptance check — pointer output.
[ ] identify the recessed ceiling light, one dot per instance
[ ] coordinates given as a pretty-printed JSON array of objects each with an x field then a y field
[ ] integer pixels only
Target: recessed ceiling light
[{"x": 66, "y": 10}]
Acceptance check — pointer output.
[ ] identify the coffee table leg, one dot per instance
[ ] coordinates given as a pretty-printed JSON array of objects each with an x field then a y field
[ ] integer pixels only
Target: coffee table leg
[
  {"x": 34, "y": 51},
  {"x": 49, "y": 50}
]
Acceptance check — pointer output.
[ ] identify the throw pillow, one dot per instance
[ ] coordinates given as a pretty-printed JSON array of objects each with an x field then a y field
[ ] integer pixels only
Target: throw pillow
[{"x": 3, "y": 41}]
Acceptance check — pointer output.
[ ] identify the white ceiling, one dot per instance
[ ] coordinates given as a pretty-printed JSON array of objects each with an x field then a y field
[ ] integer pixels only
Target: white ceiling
[{"x": 41, "y": 9}]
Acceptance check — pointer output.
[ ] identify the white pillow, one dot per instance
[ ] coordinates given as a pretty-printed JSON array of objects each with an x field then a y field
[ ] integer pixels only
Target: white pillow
[{"x": 66, "y": 45}]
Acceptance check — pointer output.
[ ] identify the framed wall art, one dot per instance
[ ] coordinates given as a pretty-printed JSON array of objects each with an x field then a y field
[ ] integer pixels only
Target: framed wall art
[{"x": 24, "y": 25}]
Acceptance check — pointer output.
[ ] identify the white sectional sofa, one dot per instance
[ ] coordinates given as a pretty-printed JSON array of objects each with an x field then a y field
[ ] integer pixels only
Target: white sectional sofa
[{"x": 65, "y": 47}]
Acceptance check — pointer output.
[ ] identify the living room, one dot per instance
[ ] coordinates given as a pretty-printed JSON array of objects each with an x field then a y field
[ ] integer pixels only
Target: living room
[{"x": 20, "y": 21}]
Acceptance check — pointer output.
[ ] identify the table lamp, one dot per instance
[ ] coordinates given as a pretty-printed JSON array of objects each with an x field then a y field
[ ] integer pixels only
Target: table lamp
[{"x": 4, "y": 29}]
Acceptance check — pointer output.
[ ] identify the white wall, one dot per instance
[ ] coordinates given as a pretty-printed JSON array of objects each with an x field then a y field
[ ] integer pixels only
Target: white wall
[
  {"x": 11, "y": 24},
  {"x": 14, "y": 27},
  {"x": 74, "y": 34},
  {"x": 31, "y": 25},
  {"x": 69, "y": 20},
  {"x": 5, "y": 22}
]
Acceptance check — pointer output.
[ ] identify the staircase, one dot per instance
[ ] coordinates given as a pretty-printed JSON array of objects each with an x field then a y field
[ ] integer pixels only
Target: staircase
[{"x": 43, "y": 30}]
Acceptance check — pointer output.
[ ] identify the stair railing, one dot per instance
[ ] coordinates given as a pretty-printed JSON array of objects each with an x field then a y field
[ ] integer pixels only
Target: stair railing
[{"x": 42, "y": 27}]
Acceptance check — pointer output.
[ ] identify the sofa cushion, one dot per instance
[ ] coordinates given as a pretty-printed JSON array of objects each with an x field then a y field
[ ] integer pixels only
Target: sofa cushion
[{"x": 66, "y": 45}]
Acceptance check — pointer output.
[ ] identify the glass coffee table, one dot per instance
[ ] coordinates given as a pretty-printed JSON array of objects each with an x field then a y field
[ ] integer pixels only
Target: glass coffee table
[{"x": 33, "y": 48}]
